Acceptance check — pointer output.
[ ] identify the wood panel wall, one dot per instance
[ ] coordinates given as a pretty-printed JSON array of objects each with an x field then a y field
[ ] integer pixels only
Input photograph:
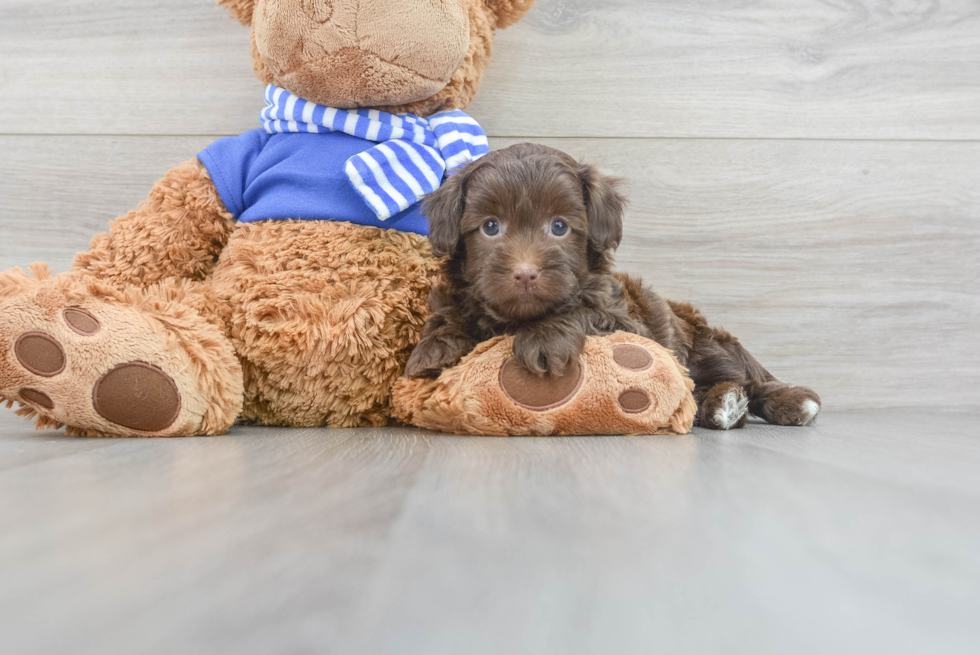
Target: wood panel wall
[{"x": 807, "y": 171}]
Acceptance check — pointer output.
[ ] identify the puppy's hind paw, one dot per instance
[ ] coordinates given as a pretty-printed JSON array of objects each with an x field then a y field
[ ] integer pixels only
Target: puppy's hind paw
[
  {"x": 809, "y": 411},
  {"x": 798, "y": 406},
  {"x": 724, "y": 407}
]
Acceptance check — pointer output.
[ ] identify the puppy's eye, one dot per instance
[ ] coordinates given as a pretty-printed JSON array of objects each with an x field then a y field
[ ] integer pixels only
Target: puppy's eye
[
  {"x": 491, "y": 228},
  {"x": 559, "y": 228}
]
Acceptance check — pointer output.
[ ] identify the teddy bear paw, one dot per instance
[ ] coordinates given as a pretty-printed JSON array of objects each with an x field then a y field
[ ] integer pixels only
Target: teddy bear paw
[
  {"x": 621, "y": 384},
  {"x": 101, "y": 369}
]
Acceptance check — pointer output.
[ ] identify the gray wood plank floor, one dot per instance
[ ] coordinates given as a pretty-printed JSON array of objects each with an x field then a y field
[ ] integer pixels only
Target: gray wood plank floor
[{"x": 858, "y": 535}]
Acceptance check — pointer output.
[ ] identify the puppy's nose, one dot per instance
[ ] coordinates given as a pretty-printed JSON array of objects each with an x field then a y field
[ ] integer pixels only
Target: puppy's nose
[{"x": 526, "y": 275}]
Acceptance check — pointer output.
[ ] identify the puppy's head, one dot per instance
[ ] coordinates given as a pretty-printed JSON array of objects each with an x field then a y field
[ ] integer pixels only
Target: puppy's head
[{"x": 524, "y": 227}]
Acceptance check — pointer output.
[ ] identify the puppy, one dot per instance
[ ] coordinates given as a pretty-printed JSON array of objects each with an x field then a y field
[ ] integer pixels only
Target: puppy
[{"x": 530, "y": 234}]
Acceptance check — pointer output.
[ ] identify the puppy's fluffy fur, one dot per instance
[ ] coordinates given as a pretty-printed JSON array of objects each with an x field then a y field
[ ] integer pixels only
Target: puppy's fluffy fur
[{"x": 530, "y": 234}]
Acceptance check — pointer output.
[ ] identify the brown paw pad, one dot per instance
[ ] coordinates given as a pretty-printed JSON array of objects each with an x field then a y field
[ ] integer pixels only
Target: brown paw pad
[
  {"x": 634, "y": 401},
  {"x": 40, "y": 354},
  {"x": 81, "y": 322},
  {"x": 37, "y": 397},
  {"x": 137, "y": 396},
  {"x": 632, "y": 357},
  {"x": 539, "y": 393}
]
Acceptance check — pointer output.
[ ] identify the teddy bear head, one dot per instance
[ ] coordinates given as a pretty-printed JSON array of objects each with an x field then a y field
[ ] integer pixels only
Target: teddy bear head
[{"x": 414, "y": 56}]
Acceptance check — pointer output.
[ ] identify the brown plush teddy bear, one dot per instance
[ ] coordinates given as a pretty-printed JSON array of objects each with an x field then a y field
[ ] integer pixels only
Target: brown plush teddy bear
[{"x": 280, "y": 277}]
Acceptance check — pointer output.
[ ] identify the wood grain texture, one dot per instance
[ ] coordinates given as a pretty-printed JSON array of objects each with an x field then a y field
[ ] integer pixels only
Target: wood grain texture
[
  {"x": 852, "y": 267},
  {"x": 850, "y": 69},
  {"x": 125, "y": 67},
  {"x": 857, "y": 535},
  {"x": 905, "y": 69},
  {"x": 57, "y": 192}
]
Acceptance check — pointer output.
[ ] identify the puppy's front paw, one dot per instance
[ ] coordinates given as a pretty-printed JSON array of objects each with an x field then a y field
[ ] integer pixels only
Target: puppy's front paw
[
  {"x": 547, "y": 355},
  {"x": 433, "y": 355}
]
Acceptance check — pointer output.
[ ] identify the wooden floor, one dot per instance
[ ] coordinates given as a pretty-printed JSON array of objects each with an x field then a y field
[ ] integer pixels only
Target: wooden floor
[{"x": 860, "y": 535}]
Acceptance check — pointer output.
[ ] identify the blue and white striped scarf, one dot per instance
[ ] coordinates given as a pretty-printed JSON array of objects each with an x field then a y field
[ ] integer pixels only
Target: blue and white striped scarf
[{"x": 413, "y": 157}]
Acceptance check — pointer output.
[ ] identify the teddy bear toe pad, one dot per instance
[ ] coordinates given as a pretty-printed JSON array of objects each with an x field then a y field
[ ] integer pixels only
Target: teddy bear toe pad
[
  {"x": 81, "y": 321},
  {"x": 635, "y": 401},
  {"x": 632, "y": 357},
  {"x": 40, "y": 354},
  {"x": 37, "y": 397}
]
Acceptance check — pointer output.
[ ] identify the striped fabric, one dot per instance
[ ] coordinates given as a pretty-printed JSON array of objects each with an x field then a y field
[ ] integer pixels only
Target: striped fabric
[{"x": 413, "y": 154}]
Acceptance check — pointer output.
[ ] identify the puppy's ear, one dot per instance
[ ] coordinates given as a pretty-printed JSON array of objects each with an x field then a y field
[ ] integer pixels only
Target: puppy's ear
[
  {"x": 240, "y": 9},
  {"x": 444, "y": 209},
  {"x": 606, "y": 206}
]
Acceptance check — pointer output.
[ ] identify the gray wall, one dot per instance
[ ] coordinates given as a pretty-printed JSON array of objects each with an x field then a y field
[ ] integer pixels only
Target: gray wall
[{"x": 807, "y": 172}]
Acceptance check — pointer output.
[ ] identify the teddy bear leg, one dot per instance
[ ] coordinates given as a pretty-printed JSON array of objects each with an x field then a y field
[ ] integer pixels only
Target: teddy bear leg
[
  {"x": 324, "y": 317},
  {"x": 621, "y": 384},
  {"x": 138, "y": 362}
]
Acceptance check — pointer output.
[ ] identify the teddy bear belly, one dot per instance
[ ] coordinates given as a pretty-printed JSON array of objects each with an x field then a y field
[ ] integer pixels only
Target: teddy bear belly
[{"x": 323, "y": 316}]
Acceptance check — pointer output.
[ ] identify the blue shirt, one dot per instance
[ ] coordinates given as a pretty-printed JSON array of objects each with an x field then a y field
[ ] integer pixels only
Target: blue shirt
[{"x": 262, "y": 176}]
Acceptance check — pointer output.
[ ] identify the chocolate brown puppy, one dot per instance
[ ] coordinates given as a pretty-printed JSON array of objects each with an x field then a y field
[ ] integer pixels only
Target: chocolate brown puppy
[{"x": 530, "y": 234}]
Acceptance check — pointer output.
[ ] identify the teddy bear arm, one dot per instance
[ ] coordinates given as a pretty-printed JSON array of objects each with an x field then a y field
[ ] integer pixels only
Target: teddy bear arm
[
  {"x": 509, "y": 12},
  {"x": 177, "y": 232}
]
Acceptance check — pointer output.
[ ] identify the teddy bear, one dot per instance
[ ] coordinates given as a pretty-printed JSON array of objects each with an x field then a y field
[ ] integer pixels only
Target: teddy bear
[{"x": 279, "y": 277}]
